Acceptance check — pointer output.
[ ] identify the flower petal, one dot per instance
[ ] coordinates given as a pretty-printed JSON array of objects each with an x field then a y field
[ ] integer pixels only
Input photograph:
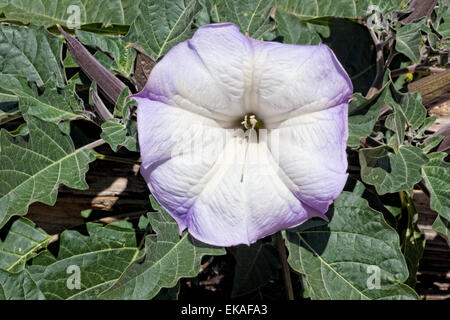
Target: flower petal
[
  {"x": 207, "y": 74},
  {"x": 312, "y": 155},
  {"x": 228, "y": 206},
  {"x": 294, "y": 80}
]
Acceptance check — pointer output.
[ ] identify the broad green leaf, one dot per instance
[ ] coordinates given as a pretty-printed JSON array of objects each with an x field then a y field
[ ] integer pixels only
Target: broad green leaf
[
  {"x": 442, "y": 226},
  {"x": 392, "y": 172},
  {"x": 66, "y": 12},
  {"x": 436, "y": 175},
  {"x": 311, "y": 9},
  {"x": 295, "y": 31},
  {"x": 355, "y": 256},
  {"x": 18, "y": 286},
  {"x": 430, "y": 143},
  {"x": 424, "y": 127},
  {"x": 31, "y": 52},
  {"x": 168, "y": 257},
  {"x": 116, "y": 134},
  {"x": 50, "y": 104},
  {"x": 409, "y": 105},
  {"x": 252, "y": 16},
  {"x": 409, "y": 39},
  {"x": 362, "y": 116},
  {"x": 396, "y": 123},
  {"x": 161, "y": 25},
  {"x": 32, "y": 167},
  {"x": 21, "y": 244},
  {"x": 116, "y": 48},
  {"x": 208, "y": 14},
  {"x": 444, "y": 15},
  {"x": 122, "y": 131},
  {"x": 256, "y": 265},
  {"x": 100, "y": 257}
]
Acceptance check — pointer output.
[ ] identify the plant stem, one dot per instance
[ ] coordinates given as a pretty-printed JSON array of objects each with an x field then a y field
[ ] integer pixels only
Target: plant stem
[
  {"x": 416, "y": 68},
  {"x": 378, "y": 81},
  {"x": 93, "y": 145},
  {"x": 285, "y": 266},
  {"x": 100, "y": 156}
]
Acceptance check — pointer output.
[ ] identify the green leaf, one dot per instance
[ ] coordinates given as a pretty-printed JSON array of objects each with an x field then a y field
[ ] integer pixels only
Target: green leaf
[
  {"x": 22, "y": 243},
  {"x": 442, "y": 226},
  {"x": 18, "y": 286},
  {"x": 49, "y": 13},
  {"x": 312, "y": 9},
  {"x": 362, "y": 116},
  {"x": 252, "y": 16},
  {"x": 430, "y": 143},
  {"x": 116, "y": 134},
  {"x": 256, "y": 265},
  {"x": 426, "y": 124},
  {"x": 161, "y": 25},
  {"x": 409, "y": 39},
  {"x": 295, "y": 31},
  {"x": 50, "y": 104},
  {"x": 391, "y": 172},
  {"x": 32, "y": 167},
  {"x": 396, "y": 123},
  {"x": 168, "y": 257},
  {"x": 444, "y": 26},
  {"x": 123, "y": 57},
  {"x": 101, "y": 257},
  {"x": 436, "y": 175},
  {"x": 344, "y": 258},
  {"x": 122, "y": 132},
  {"x": 32, "y": 53},
  {"x": 409, "y": 105}
]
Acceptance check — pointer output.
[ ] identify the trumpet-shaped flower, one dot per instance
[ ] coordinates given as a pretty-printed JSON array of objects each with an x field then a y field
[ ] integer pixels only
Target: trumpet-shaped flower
[{"x": 242, "y": 138}]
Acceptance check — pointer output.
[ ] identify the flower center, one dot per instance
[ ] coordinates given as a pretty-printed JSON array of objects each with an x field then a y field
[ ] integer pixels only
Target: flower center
[{"x": 250, "y": 122}]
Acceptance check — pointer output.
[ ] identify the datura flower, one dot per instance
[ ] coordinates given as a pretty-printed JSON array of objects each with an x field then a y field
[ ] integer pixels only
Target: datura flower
[{"x": 242, "y": 138}]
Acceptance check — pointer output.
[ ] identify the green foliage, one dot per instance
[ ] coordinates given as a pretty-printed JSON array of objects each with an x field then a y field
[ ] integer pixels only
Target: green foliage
[
  {"x": 47, "y": 158},
  {"x": 312, "y": 9},
  {"x": 391, "y": 172},
  {"x": 161, "y": 25},
  {"x": 409, "y": 39},
  {"x": 46, "y": 13},
  {"x": 373, "y": 230},
  {"x": 338, "y": 258},
  {"x": 116, "y": 48},
  {"x": 362, "y": 116},
  {"x": 435, "y": 174},
  {"x": 53, "y": 104},
  {"x": 22, "y": 243},
  {"x": 122, "y": 131},
  {"x": 18, "y": 286},
  {"x": 101, "y": 257},
  {"x": 168, "y": 257},
  {"x": 442, "y": 226},
  {"x": 32, "y": 53},
  {"x": 252, "y": 16}
]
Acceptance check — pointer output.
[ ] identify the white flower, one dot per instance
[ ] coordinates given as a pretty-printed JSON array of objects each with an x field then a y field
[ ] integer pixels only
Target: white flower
[{"x": 228, "y": 190}]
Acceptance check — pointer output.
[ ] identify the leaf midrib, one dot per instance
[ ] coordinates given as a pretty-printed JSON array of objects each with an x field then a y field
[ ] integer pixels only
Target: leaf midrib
[{"x": 323, "y": 262}]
